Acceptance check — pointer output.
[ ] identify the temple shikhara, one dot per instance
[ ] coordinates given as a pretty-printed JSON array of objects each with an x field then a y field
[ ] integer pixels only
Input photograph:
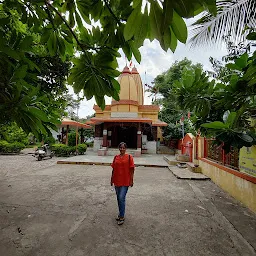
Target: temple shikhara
[{"x": 127, "y": 120}]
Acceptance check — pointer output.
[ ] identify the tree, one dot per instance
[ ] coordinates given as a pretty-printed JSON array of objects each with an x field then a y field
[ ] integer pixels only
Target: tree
[
  {"x": 171, "y": 109},
  {"x": 32, "y": 29},
  {"x": 233, "y": 16},
  {"x": 223, "y": 110}
]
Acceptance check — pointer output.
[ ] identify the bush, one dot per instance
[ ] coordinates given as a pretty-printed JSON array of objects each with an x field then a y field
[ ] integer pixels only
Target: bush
[
  {"x": 13, "y": 133},
  {"x": 49, "y": 140},
  {"x": 3, "y": 146},
  {"x": 14, "y": 147},
  {"x": 62, "y": 149},
  {"x": 72, "y": 139},
  {"x": 81, "y": 148},
  {"x": 89, "y": 144}
]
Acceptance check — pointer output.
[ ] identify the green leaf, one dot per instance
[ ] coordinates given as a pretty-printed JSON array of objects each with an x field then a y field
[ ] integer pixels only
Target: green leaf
[
  {"x": 62, "y": 48},
  {"x": 96, "y": 34},
  {"x": 233, "y": 66},
  {"x": 245, "y": 137},
  {"x": 131, "y": 24},
  {"x": 241, "y": 62},
  {"x": 166, "y": 42},
  {"x": 83, "y": 9},
  {"x": 215, "y": 125},
  {"x": 155, "y": 17},
  {"x": 174, "y": 41},
  {"x": 100, "y": 101},
  {"x": 127, "y": 51},
  {"x": 26, "y": 43},
  {"x": 78, "y": 20},
  {"x": 32, "y": 65},
  {"x": 137, "y": 4},
  {"x": 251, "y": 36},
  {"x": 38, "y": 113},
  {"x": 51, "y": 44},
  {"x": 20, "y": 72},
  {"x": 167, "y": 14},
  {"x": 141, "y": 30},
  {"x": 188, "y": 77},
  {"x": 115, "y": 84},
  {"x": 96, "y": 10},
  {"x": 135, "y": 51},
  {"x": 10, "y": 52},
  {"x": 231, "y": 118},
  {"x": 179, "y": 28},
  {"x": 71, "y": 19}
]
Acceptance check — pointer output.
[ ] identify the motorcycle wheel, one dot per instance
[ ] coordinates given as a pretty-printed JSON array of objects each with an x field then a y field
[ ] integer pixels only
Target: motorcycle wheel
[{"x": 39, "y": 158}]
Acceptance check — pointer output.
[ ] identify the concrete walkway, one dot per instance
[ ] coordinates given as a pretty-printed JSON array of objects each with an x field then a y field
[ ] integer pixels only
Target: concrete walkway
[
  {"x": 70, "y": 210},
  {"x": 91, "y": 158}
]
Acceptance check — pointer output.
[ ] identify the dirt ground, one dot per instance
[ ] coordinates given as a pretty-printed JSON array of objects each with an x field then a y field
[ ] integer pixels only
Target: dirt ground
[{"x": 69, "y": 210}]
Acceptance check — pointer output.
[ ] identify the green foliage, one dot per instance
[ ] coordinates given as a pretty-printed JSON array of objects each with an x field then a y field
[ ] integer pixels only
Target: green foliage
[
  {"x": 168, "y": 84},
  {"x": 81, "y": 148},
  {"x": 210, "y": 101},
  {"x": 230, "y": 133},
  {"x": 232, "y": 18},
  {"x": 89, "y": 144},
  {"x": 49, "y": 140},
  {"x": 13, "y": 133},
  {"x": 32, "y": 30},
  {"x": 62, "y": 150},
  {"x": 72, "y": 139},
  {"x": 14, "y": 147}
]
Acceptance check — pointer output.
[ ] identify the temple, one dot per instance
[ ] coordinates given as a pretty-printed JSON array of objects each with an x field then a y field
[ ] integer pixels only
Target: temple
[{"x": 128, "y": 119}]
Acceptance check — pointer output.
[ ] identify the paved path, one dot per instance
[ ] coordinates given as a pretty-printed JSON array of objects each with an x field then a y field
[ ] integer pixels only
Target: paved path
[
  {"x": 154, "y": 160},
  {"x": 69, "y": 210}
]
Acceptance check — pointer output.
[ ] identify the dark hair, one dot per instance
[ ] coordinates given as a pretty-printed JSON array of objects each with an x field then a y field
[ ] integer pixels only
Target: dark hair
[{"x": 122, "y": 144}]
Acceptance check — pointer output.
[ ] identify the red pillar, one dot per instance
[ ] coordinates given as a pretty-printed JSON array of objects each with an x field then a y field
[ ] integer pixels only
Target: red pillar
[
  {"x": 67, "y": 134},
  {"x": 105, "y": 137}
]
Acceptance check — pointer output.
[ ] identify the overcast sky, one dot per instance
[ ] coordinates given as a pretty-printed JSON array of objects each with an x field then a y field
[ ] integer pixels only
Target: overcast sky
[{"x": 155, "y": 61}]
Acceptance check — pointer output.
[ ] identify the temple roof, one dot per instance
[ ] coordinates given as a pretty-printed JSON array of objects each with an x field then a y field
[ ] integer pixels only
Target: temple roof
[
  {"x": 134, "y": 70},
  {"x": 98, "y": 120},
  {"x": 126, "y": 70}
]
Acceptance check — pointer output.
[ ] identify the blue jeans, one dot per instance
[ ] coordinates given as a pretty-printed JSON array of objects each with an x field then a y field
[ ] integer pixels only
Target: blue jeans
[{"x": 121, "y": 195}]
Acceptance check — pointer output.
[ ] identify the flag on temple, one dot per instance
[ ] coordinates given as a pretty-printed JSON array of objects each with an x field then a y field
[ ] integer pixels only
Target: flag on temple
[{"x": 130, "y": 64}]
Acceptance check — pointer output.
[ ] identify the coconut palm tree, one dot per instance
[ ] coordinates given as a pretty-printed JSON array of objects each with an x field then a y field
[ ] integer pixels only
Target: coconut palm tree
[{"x": 233, "y": 17}]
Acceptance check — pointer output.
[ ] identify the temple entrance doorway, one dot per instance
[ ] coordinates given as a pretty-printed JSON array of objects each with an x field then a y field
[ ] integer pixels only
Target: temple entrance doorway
[{"x": 127, "y": 134}]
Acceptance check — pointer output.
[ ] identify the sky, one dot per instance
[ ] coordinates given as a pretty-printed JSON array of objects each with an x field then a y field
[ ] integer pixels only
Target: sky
[{"x": 155, "y": 61}]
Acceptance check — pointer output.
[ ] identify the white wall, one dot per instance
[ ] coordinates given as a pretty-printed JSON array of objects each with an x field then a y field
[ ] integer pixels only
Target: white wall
[
  {"x": 151, "y": 147},
  {"x": 98, "y": 141}
]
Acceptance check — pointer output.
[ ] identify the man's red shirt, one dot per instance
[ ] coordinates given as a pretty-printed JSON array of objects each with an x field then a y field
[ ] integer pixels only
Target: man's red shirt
[{"x": 122, "y": 172}]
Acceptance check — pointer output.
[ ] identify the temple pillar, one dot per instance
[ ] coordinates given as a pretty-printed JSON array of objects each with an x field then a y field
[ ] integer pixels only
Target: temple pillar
[
  {"x": 138, "y": 139},
  {"x": 105, "y": 139},
  {"x": 138, "y": 151},
  {"x": 67, "y": 134}
]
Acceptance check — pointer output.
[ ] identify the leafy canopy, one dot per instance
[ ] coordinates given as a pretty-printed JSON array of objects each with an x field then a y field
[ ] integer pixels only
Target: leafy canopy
[{"x": 93, "y": 29}]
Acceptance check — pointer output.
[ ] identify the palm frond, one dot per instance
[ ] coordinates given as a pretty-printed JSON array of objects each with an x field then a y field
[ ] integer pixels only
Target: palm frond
[{"x": 233, "y": 17}]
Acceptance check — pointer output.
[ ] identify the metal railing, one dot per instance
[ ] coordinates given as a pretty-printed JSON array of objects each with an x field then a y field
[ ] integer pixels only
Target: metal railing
[{"x": 216, "y": 153}]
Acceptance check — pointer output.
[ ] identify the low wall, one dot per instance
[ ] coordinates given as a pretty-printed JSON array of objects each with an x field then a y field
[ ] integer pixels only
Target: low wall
[
  {"x": 151, "y": 147},
  {"x": 97, "y": 143},
  {"x": 239, "y": 185}
]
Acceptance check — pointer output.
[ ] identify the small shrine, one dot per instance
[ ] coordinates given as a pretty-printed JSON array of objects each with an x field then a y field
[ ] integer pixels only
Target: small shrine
[{"x": 127, "y": 120}]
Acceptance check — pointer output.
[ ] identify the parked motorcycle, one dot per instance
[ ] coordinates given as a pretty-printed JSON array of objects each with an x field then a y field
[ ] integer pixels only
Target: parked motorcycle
[{"x": 45, "y": 151}]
